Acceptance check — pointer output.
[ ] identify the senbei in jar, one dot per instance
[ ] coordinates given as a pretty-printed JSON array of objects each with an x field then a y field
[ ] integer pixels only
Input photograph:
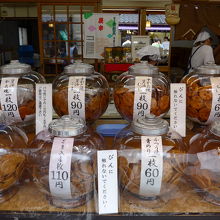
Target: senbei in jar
[
  {"x": 203, "y": 94},
  {"x": 204, "y": 163},
  {"x": 17, "y": 92},
  {"x": 12, "y": 159},
  {"x": 80, "y": 91},
  {"x": 142, "y": 91},
  {"x": 64, "y": 161},
  {"x": 151, "y": 161}
]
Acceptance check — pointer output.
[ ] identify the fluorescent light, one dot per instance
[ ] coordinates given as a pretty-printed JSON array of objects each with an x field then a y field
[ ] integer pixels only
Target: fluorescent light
[{"x": 150, "y": 28}]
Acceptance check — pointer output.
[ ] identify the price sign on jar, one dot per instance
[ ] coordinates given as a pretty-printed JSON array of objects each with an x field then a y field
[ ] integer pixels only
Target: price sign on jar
[
  {"x": 76, "y": 96},
  {"x": 142, "y": 97}
]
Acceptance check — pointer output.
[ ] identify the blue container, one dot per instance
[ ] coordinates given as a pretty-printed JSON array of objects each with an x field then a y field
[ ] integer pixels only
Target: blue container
[
  {"x": 26, "y": 54},
  {"x": 110, "y": 130}
]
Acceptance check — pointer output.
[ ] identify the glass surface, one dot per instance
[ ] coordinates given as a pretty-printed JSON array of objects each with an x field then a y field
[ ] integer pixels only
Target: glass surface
[
  {"x": 200, "y": 96},
  {"x": 74, "y": 13},
  {"x": 75, "y": 31},
  {"x": 82, "y": 169},
  {"x": 61, "y": 13},
  {"x": 96, "y": 94},
  {"x": 47, "y": 13},
  {"x": 129, "y": 146},
  {"x": 203, "y": 165},
  {"x": 48, "y": 31},
  {"x": 124, "y": 93},
  {"x": 49, "y": 49},
  {"x": 61, "y": 32}
]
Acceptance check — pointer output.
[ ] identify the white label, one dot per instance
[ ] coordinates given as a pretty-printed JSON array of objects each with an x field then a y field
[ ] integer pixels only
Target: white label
[
  {"x": 151, "y": 165},
  {"x": 107, "y": 181},
  {"x": 142, "y": 96},
  {"x": 215, "y": 111},
  {"x": 178, "y": 108},
  {"x": 210, "y": 160},
  {"x": 9, "y": 103},
  {"x": 44, "y": 110},
  {"x": 60, "y": 167},
  {"x": 76, "y": 96}
]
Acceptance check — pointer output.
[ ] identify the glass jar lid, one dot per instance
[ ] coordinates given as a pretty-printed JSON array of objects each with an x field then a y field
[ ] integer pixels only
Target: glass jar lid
[
  {"x": 150, "y": 126},
  {"x": 15, "y": 67},
  {"x": 215, "y": 127},
  {"x": 79, "y": 67},
  {"x": 208, "y": 69},
  {"x": 67, "y": 126},
  {"x": 143, "y": 68}
]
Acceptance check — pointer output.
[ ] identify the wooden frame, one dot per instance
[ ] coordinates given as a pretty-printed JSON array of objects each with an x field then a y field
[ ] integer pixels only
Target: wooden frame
[{"x": 56, "y": 62}]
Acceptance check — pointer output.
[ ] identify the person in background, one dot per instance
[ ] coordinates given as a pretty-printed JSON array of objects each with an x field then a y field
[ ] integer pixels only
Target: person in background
[
  {"x": 157, "y": 43},
  {"x": 127, "y": 43},
  {"x": 166, "y": 43},
  {"x": 202, "y": 52},
  {"x": 149, "y": 53}
]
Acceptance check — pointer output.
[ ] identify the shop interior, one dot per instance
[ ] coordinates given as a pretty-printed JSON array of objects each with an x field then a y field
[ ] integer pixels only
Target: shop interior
[{"x": 52, "y": 35}]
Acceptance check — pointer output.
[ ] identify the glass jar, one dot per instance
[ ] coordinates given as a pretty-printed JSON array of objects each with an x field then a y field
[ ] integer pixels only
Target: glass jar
[
  {"x": 81, "y": 92},
  {"x": 144, "y": 163},
  {"x": 142, "y": 91},
  {"x": 12, "y": 160},
  {"x": 17, "y": 92},
  {"x": 202, "y": 94},
  {"x": 64, "y": 161},
  {"x": 204, "y": 162}
]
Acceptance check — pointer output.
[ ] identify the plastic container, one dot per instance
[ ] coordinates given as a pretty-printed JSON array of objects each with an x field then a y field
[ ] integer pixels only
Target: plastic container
[
  {"x": 202, "y": 92},
  {"x": 204, "y": 163},
  {"x": 64, "y": 161},
  {"x": 81, "y": 92},
  {"x": 149, "y": 172},
  {"x": 141, "y": 91},
  {"x": 17, "y": 92},
  {"x": 12, "y": 159}
]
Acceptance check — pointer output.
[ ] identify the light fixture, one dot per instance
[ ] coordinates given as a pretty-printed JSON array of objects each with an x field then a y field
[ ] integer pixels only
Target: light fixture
[
  {"x": 148, "y": 23},
  {"x": 50, "y": 25}
]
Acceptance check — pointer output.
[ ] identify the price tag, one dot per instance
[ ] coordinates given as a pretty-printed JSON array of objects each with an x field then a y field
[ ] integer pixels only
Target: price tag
[
  {"x": 142, "y": 96},
  {"x": 76, "y": 96},
  {"x": 44, "y": 109},
  {"x": 107, "y": 181},
  {"x": 215, "y": 111},
  {"x": 60, "y": 167},
  {"x": 9, "y": 103},
  {"x": 151, "y": 165},
  {"x": 178, "y": 108}
]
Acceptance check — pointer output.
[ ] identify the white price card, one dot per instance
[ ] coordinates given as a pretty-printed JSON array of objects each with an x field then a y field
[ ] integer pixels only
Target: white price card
[
  {"x": 60, "y": 167},
  {"x": 151, "y": 165},
  {"x": 107, "y": 181},
  {"x": 8, "y": 97},
  {"x": 76, "y": 96},
  {"x": 215, "y": 91},
  {"x": 44, "y": 108},
  {"x": 142, "y": 96},
  {"x": 178, "y": 108}
]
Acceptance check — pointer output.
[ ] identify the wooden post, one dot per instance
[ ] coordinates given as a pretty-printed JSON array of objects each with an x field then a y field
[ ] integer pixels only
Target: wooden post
[{"x": 142, "y": 21}]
